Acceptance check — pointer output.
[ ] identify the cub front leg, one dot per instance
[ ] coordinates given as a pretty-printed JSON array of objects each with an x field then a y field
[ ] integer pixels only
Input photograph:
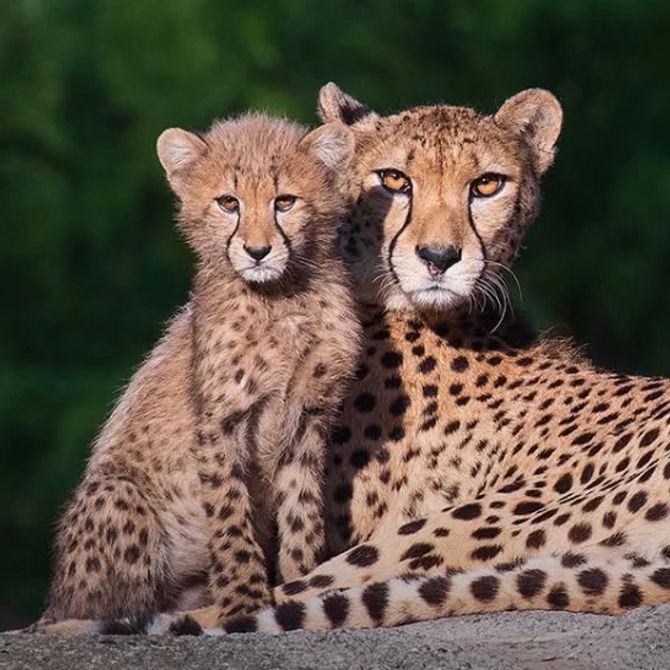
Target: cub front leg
[
  {"x": 298, "y": 489},
  {"x": 238, "y": 576},
  {"x": 315, "y": 393}
]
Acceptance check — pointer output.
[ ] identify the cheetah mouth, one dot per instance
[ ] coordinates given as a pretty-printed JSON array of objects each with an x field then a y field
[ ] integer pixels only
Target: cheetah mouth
[
  {"x": 260, "y": 274},
  {"x": 436, "y": 296}
]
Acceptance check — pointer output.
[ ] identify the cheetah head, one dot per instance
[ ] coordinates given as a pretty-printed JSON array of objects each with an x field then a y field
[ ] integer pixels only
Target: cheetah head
[
  {"x": 444, "y": 195},
  {"x": 258, "y": 195}
]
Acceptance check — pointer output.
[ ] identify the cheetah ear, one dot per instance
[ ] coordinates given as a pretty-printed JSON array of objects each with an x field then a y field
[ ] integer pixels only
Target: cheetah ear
[
  {"x": 336, "y": 105},
  {"x": 332, "y": 144},
  {"x": 537, "y": 116},
  {"x": 177, "y": 151}
]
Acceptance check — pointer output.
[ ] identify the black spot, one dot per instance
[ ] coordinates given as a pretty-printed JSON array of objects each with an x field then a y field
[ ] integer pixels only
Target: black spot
[
  {"x": 485, "y": 588},
  {"x": 435, "y": 590},
  {"x": 485, "y": 533},
  {"x": 340, "y": 434},
  {"x": 430, "y": 391},
  {"x": 536, "y": 539},
  {"x": 452, "y": 427},
  {"x": 364, "y": 402},
  {"x": 580, "y": 532},
  {"x": 131, "y": 554},
  {"x": 241, "y": 624},
  {"x": 460, "y": 364},
  {"x": 467, "y": 512},
  {"x": 396, "y": 434},
  {"x": 593, "y": 581},
  {"x": 427, "y": 365},
  {"x": 558, "y": 598},
  {"x": 614, "y": 540},
  {"x": 391, "y": 359},
  {"x": 185, "y": 625},
  {"x": 587, "y": 473},
  {"x": 564, "y": 483},
  {"x": 321, "y": 581},
  {"x": 486, "y": 552},
  {"x": 343, "y": 493},
  {"x": 295, "y": 587},
  {"x": 528, "y": 507},
  {"x": 657, "y": 512},
  {"x": 290, "y": 615},
  {"x": 661, "y": 578},
  {"x": 630, "y": 596},
  {"x": 570, "y": 560},
  {"x": 637, "y": 501},
  {"x": 531, "y": 582},
  {"x": 375, "y": 598},
  {"x": 621, "y": 442},
  {"x": 360, "y": 458},
  {"x": 609, "y": 519},
  {"x": 372, "y": 432},
  {"x": 411, "y": 527},
  {"x": 399, "y": 406},
  {"x": 242, "y": 556},
  {"x": 649, "y": 437},
  {"x": 363, "y": 555},
  {"x": 336, "y": 608},
  {"x": 417, "y": 550}
]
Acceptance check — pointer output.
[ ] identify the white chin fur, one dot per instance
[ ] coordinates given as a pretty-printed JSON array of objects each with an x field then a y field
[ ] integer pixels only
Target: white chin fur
[
  {"x": 440, "y": 294},
  {"x": 437, "y": 299},
  {"x": 260, "y": 274}
]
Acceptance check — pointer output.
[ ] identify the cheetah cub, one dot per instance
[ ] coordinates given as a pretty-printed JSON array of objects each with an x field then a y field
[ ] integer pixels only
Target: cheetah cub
[{"x": 212, "y": 462}]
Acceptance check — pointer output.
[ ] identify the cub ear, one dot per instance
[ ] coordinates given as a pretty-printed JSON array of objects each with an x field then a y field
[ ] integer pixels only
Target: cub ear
[
  {"x": 537, "y": 116},
  {"x": 332, "y": 144},
  {"x": 336, "y": 105},
  {"x": 177, "y": 151}
]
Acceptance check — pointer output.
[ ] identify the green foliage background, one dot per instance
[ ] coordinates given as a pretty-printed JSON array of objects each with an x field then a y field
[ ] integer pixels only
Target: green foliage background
[{"x": 91, "y": 265}]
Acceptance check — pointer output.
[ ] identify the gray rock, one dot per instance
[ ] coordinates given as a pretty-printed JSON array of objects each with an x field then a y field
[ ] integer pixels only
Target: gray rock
[{"x": 511, "y": 640}]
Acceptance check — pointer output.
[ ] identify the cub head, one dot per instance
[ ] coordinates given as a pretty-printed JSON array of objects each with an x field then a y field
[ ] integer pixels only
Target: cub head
[
  {"x": 258, "y": 195},
  {"x": 444, "y": 195}
]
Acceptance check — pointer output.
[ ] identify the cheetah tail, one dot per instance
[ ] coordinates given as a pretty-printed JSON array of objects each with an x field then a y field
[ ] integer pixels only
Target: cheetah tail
[{"x": 565, "y": 582}]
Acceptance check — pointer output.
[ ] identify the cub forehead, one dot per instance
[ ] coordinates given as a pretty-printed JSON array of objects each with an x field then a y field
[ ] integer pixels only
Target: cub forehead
[{"x": 254, "y": 142}]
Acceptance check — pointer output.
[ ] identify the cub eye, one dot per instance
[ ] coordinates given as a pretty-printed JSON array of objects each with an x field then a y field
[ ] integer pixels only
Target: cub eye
[
  {"x": 284, "y": 202},
  {"x": 487, "y": 185},
  {"x": 395, "y": 181},
  {"x": 228, "y": 204}
]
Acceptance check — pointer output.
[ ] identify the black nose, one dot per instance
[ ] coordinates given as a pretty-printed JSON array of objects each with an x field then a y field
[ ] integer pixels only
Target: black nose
[
  {"x": 257, "y": 253},
  {"x": 439, "y": 256}
]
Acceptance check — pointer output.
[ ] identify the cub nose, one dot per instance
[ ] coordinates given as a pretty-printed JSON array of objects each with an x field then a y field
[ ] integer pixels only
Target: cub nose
[
  {"x": 439, "y": 256},
  {"x": 257, "y": 253}
]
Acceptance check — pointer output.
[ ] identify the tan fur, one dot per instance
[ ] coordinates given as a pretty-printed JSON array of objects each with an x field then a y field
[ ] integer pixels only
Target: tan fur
[
  {"x": 220, "y": 435},
  {"x": 475, "y": 467}
]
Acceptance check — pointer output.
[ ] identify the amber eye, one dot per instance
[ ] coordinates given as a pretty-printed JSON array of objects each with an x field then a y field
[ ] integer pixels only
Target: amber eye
[
  {"x": 228, "y": 204},
  {"x": 395, "y": 181},
  {"x": 284, "y": 202},
  {"x": 487, "y": 185}
]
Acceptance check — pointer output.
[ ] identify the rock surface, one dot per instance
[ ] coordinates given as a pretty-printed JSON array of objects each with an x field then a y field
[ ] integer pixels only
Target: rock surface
[{"x": 512, "y": 640}]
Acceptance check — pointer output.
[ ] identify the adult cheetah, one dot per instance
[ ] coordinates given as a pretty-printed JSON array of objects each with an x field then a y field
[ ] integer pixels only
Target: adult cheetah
[{"x": 476, "y": 468}]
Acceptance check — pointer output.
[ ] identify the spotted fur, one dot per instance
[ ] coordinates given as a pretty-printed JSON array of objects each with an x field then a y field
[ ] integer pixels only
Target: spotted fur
[
  {"x": 219, "y": 441},
  {"x": 475, "y": 467}
]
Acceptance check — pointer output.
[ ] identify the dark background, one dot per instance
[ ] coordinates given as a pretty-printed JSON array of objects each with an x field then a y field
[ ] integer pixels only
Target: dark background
[{"x": 91, "y": 264}]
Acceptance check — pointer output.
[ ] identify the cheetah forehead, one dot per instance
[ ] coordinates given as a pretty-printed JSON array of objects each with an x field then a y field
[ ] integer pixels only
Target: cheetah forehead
[
  {"x": 440, "y": 133},
  {"x": 253, "y": 141}
]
